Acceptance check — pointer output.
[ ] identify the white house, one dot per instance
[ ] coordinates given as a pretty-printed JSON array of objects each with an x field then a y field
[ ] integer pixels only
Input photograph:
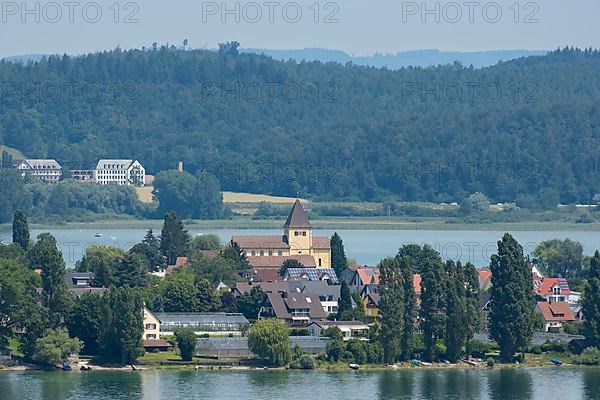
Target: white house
[
  {"x": 120, "y": 172},
  {"x": 44, "y": 170}
]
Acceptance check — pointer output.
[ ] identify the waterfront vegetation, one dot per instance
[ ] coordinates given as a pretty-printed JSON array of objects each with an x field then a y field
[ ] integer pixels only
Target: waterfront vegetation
[{"x": 43, "y": 322}]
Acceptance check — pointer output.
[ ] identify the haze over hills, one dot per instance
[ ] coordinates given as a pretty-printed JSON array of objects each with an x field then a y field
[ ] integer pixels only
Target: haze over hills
[
  {"x": 525, "y": 130},
  {"x": 417, "y": 58}
]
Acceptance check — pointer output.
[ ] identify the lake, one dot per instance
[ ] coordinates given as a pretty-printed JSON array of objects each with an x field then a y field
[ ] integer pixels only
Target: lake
[
  {"x": 368, "y": 247},
  {"x": 497, "y": 384}
]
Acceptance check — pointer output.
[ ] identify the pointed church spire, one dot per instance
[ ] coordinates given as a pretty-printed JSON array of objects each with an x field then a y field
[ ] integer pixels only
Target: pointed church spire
[{"x": 297, "y": 217}]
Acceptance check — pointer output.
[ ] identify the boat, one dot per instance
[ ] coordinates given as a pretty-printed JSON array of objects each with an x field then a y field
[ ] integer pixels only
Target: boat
[
  {"x": 66, "y": 367},
  {"x": 416, "y": 363},
  {"x": 354, "y": 366},
  {"x": 98, "y": 235},
  {"x": 556, "y": 362}
]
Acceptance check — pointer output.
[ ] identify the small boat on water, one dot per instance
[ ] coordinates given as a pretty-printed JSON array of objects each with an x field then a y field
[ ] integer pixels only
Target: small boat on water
[
  {"x": 354, "y": 366},
  {"x": 556, "y": 362},
  {"x": 98, "y": 235},
  {"x": 66, "y": 367}
]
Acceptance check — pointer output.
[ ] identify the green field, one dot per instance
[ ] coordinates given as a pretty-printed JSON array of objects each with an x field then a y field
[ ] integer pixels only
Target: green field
[{"x": 16, "y": 154}]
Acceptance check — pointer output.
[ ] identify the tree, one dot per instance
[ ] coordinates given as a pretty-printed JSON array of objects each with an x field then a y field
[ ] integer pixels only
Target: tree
[
  {"x": 131, "y": 270},
  {"x": 250, "y": 303},
  {"x": 287, "y": 264},
  {"x": 55, "y": 347},
  {"x": 208, "y": 299},
  {"x": 433, "y": 304},
  {"x": 180, "y": 295},
  {"x": 561, "y": 258},
  {"x": 457, "y": 321},
  {"x": 237, "y": 256},
  {"x": 338, "y": 256},
  {"x": 151, "y": 239},
  {"x": 174, "y": 239},
  {"x": 186, "y": 343},
  {"x": 391, "y": 307},
  {"x": 270, "y": 340},
  {"x": 511, "y": 317},
  {"x": 229, "y": 48},
  {"x": 345, "y": 303},
  {"x": 123, "y": 316},
  {"x": 20, "y": 230},
  {"x": 410, "y": 307},
  {"x": 208, "y": 198},
  {"x": 418, "y": 255},
  {"x": 149, "y": 248},
  {"x": 477, "y": 202},
  {"x": 591, "y": 302},
  {"x": 474, "y": 315},
  {"x": 16, "y": 290},
  {"x": 101, "y": 261},
  {"x": 55, "y": 295},
  {"x": 84, "y": 322},
  {"x": 206, "y": 242}
]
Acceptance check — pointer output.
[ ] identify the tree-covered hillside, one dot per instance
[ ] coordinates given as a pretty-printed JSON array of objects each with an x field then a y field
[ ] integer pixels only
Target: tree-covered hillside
[{"x": 525, "y": 130}]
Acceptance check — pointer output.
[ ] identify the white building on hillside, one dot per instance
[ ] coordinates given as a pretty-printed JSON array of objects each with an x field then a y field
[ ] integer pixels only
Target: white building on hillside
[
  {"x": 44, "y": 170},
  {"x": 120, "y": 172}
]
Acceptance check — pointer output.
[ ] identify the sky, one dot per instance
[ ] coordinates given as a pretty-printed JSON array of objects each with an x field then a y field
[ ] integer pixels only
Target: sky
[{"x": 358, "y": 27}]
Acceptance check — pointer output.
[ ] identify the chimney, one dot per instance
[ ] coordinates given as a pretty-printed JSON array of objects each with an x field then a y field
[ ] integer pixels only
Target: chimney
[{"x": 180, "y": 167}]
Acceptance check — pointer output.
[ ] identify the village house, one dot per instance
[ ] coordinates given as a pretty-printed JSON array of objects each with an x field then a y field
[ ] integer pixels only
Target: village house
[
  {"x": 160, "y": 325},
  {"x": 556, "y": 290},
  {"x": 295, "y": 309},
  {"x": 120, "y": 172},
  {"x": 350, "y": 329},
  {"x": 296, "y": 243},
  {"x": 554, "y": 315},
  {"x": 49, "y": 171}
]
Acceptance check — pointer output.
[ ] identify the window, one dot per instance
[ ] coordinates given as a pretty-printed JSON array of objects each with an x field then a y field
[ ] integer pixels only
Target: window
[
  {"x": 262, "y": 253},
  {"x": 253, "y": 253},
  {"x": 280, "y": 253},
  {"x": 320, "y": 262},
  {"x": 150, "y": 326},
  {"x": 296, "y": 233},
  {"x": 151, "y": 336},
  {"x": 270, "y": 253},
  {"x": 304, "y": 233}
]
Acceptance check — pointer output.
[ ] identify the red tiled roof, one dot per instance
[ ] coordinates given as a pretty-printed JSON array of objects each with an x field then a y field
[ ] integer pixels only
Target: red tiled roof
[
  {"x": 181, "y": 261},
  {"x": 368, "y": 275},
  {"x": 157, "y": 343},
  {"x": 558, "y": 311},
  {"x": 543, "y": 286},
  {"x": 484, "y": 276},
  {"x": 264, "y": 274}
]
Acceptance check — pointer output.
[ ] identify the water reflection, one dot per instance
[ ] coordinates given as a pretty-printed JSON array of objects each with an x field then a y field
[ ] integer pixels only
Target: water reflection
[
  {"x": 510, "y": 384},
  {"x": 591, "y": 383},
  {"x": 397, "y": 385}
]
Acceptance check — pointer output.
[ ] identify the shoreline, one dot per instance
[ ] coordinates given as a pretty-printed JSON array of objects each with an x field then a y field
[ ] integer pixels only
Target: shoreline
[{"x": 339, "y": 223}]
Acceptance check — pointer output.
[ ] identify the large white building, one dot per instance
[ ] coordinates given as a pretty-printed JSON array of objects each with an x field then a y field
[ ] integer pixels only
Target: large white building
[
  {"x": 120, "y": 172},
  {"x": 44, "y": 170}
]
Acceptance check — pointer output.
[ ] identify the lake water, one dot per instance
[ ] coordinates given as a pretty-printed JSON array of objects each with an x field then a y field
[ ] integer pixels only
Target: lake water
[
  {"x": 368, "y": 247},
  {"x": 498, "y": 384}
]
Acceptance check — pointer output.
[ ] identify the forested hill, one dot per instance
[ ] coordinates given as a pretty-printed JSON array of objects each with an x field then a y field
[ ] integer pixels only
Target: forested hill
[{"x": 526, "y": 130}]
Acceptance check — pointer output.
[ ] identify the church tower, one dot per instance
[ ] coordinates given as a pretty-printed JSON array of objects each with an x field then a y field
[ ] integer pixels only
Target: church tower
[{"x": 297, "y": 232}]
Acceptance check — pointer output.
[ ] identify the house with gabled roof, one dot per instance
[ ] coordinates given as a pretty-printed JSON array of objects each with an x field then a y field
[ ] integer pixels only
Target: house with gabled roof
[
  {"x": 45, "y": 170},
  {"x": 295, "y": 309},
  {"x": 555, "y": 290},
  {"x": 120, "y": 172},
  {"x": 554, "y": 315},
  {"x": 297, "y": 242}
]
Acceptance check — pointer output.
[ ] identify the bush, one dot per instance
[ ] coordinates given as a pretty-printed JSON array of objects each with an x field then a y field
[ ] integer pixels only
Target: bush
[
  {"x": 477, "y": 348},
  {"x": 336, "y": 350},
  {"x": 358, "y": 350},
  {"x": 349, "y": 357},
  {"x": 491, "y": 363},
  {"x": 304, "y": 362},
  {"x": 590, "y": 356},
  {"x": 186, "y": 342},
  {"x": 536, "y": 349},
  {"x": 555, "y": 347},
  {"x": 375, "y": 353}
]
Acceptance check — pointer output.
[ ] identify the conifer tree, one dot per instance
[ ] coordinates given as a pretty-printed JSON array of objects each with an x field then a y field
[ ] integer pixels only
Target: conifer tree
[
  {"x": 345, "y": 299},
  {"x": 174, "y": 239},
  {"x": 391, "y": 308},
  {"x": 457, "y": 322},
  {"x": 410, "y": 306},
  {"x": 591, "y": 302},
  {"x": 20, "y": 230},
  {"x": 339, "y": 262},
  {"x": 511, "y": 315},
  {"x": 433, "y": 303}
]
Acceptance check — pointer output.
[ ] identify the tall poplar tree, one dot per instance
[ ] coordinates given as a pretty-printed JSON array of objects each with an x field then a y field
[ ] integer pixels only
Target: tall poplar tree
[
  {"x": 591, "y": 302},
  {"x": 433, "y": 303},
  {"x": 457, "y": 322},
  {"x": 339, "y": 262},
  {"x": 511, "y": 316},
  {"x": 20, "y": 229},
  {"x": 410, "y": 306},
  {"x": 174, "y": 239},
  {"x": 391, "y": 308}
]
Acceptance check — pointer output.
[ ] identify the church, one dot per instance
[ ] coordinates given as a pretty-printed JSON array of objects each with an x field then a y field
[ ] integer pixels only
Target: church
[{"x": 297, "y": 243}]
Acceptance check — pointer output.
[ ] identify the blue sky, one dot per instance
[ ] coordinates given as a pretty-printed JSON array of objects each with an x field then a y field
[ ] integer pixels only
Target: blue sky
[{"x": 358, "y": 27}]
